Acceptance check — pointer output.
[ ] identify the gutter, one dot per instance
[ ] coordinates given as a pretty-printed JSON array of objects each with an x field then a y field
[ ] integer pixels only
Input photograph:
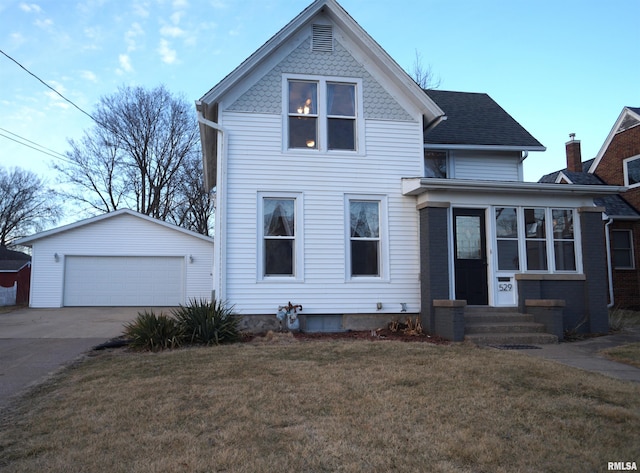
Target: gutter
[
  {"x": 219, "y": 205},
  {"x": 607, "y": 238}
]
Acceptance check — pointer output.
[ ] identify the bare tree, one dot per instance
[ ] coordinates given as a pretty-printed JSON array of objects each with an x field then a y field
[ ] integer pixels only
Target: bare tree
[
  {"x": 423, "y": 75},
  {"x": 136, "y": 155},
  {"x": 196, "y": 209},
  {"x": 26, "y": 205}
]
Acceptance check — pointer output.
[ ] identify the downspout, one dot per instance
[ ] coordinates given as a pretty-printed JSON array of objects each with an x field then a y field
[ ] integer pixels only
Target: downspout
[
  {"x": 609, "y": 264},
  {"x": 219, "y": 204}
]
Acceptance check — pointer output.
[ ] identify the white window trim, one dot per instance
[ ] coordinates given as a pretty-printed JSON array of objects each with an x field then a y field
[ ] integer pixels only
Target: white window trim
[
  {"x": 298, "y": 254},
  {"x": 625, "y": 163},
  {"x": 384, "y": 237},
  {"x": 632, "y": 249},
  {"x": 322, "y": 115},
  {"x": 549, "y": 241}
]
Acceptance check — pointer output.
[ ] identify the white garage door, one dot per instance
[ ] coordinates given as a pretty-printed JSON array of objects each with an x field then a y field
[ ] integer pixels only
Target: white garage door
[{"x": 123, "y": 281}]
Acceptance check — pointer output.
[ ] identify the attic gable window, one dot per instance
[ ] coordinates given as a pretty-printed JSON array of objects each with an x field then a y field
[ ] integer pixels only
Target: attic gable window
[{"x": 323, "y": 114}]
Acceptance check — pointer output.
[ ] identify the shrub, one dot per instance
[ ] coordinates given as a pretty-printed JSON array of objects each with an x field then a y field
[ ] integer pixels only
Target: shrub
[
  {"x": 153, "y": 332},
  {"x": 207, "y": 322}
]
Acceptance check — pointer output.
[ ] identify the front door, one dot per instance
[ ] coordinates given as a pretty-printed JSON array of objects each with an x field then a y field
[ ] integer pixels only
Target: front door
[{"x": 470, "y": 251}]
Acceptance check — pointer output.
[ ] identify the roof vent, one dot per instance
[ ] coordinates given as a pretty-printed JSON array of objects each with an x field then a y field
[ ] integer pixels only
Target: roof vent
[{"x": 322, "y": 40}]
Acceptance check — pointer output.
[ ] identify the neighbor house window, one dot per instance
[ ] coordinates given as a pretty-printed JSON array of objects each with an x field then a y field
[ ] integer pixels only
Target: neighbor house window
[
  {"x": 322, "y": 114},
  {"x": 564, "y": 248},
  {"x": 535, "y": 239},
  {"x": 632, "y": 171},
  {"x": 622, "y": 249},
  {"x": 507, "y": 238},
  {"x": 435, "y": 164},
  {"x": 279, "y": 236}
]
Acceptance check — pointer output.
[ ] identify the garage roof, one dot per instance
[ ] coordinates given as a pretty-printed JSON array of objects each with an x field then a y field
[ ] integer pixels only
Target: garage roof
[{"x": 28, "y": 241}]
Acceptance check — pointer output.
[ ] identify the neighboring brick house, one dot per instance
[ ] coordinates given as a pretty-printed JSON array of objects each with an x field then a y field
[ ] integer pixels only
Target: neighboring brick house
[{"x": 617, "y": 163}]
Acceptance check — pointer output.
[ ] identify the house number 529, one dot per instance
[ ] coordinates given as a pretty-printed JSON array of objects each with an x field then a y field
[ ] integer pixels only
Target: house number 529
[{"x": 505, "y": 287}]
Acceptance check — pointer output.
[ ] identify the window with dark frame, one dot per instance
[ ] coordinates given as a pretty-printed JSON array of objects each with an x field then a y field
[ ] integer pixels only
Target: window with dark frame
[
  {"x": 622, "y": 249},
  {"x": 435, "y": 164}
]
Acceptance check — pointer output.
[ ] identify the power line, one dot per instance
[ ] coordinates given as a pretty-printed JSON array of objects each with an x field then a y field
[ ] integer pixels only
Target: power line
[
  {"x": 53, "y": 154},
  {"x": 49, "y": 87},
  {"x": 32, "y": 142}
]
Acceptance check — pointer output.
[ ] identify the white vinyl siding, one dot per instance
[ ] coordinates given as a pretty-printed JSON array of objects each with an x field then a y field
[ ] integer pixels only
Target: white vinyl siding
[
  {"x": 257, "y": 164},
  {"x": 120, "y": 236},
  {"x": 486, "y": 166}
]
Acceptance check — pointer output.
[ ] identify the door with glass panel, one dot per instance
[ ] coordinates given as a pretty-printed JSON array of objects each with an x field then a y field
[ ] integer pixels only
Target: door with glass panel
[{"x": 470, "y": 256}]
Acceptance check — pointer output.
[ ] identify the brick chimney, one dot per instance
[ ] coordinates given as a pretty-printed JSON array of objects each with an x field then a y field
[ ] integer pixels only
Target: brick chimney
[{"x": 574, "y": 156}]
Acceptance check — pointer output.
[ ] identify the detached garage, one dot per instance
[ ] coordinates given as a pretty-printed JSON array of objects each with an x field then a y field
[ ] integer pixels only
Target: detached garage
[{"x": 122, "y": 258}]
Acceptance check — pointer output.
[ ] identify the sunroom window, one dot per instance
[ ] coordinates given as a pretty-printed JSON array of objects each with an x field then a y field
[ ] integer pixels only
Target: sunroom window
[
  {"x": 507, "y": 236},
  {"x": 563, "y": 240},
  {"x": 536, "y": 239}
]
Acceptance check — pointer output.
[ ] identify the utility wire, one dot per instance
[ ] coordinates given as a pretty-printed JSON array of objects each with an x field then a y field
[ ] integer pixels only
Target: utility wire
[
  {"x": 49, "y": 87},
  {"x": 56, "y": 155},
  {"x": 62, "y": 156}
]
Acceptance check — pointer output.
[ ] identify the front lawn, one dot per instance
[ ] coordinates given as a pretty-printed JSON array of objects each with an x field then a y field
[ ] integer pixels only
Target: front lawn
[
  {"x": 629, "y": 354},
  {"x": 322, "y": 406}
]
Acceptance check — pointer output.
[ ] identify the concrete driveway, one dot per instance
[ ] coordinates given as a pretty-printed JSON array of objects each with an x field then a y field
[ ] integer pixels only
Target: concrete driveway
[{"x": 36, "y": 342}]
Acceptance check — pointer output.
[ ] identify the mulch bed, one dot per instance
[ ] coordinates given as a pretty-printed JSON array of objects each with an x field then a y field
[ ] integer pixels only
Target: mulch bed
[{"x": 374, "y": 336}]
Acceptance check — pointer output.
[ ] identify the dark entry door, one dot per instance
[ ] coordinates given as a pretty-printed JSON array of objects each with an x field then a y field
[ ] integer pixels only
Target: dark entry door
[{"x": 470, "y": 250}]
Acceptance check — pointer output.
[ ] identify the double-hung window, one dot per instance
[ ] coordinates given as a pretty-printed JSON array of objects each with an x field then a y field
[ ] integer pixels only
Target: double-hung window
[
  {"x": 622, "y": 249},
  {"x": 507, "y": 237},
  {"x": 564, "y": 247},
  {"x": 366, "y": 237},
  {"x": 322, "y": 114},
  {"x": 536, "y": 239},
  {"x": 280, "y": 244}
]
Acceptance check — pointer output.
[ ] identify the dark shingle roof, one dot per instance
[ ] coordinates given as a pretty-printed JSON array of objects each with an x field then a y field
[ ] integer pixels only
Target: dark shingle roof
[
  {"x": 10, "y": 266},
  {"x": 476, "y": 119},
  {"x": 615, "y": 205},
  {"x": 10, "y": 255}
]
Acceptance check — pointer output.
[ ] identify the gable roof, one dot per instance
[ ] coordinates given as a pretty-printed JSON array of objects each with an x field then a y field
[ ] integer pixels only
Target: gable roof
[
  {"x": 629, "y": 117},
  {"x": 13, "y": 266},
  {"x": 475, "y": 119},
  {"x": 353, "y": 30},
  {"x": 28, "y": 241},
  {"x": 11, "y": 255}
]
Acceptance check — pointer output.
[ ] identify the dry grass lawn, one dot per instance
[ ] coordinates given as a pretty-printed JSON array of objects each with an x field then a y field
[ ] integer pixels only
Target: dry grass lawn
[
  {"x": 629, "y": 354},
  {"x": 322, "y": 406}
]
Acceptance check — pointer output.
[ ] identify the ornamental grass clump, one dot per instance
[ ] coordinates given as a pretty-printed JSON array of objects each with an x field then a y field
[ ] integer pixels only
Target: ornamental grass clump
[
  {"x": 207, "y": 323},
  {"x": 153, "y": 332}
]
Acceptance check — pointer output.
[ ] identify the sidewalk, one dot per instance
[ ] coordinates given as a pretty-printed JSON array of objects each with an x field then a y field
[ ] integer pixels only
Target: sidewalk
[{"x": 585, "y": 354}]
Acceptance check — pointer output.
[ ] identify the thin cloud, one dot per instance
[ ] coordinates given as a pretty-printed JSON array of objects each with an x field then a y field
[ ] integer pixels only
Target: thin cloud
[
  {"x": 167, "y": 54},
  {"x": 125, "y": 64},
  {"x": 172, "y": 31},
  {"x": 88, "y": 75},
  {"x": 30, "y": 8},
  {"x": 130, "y": 37},
  {"x": 44, "y": 24}
]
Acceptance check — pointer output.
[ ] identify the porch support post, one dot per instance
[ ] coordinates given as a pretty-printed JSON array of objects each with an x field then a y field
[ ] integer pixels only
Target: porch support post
[
  {"x": 548, "y": 312},
  {"x": 434, "y": 258},
  {"x": 449, "y": 319},
  {"x": 594, "y": 261}
]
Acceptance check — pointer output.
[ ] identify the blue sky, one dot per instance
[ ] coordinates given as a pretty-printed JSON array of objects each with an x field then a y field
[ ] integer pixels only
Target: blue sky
[{"x": 558, "y": 67}]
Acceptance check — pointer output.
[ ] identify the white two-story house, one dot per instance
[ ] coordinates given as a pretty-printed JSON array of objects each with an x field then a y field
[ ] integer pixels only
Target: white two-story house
[{"x": 342, "y": 186}]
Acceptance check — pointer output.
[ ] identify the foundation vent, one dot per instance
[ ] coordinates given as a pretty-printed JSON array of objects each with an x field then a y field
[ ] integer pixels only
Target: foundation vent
[{"x": 322, "y": 40}]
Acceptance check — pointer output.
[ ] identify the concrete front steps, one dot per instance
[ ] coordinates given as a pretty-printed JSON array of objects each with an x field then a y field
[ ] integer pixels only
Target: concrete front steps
[{"x": 503, "y": 326}]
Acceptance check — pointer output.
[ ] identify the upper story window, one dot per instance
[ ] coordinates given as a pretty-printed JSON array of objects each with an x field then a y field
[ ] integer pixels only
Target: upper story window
[
  {"x": 632, "y": 171},
  {"x": 435, "y": 164},
  {"x": 323, "y": 114}
]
